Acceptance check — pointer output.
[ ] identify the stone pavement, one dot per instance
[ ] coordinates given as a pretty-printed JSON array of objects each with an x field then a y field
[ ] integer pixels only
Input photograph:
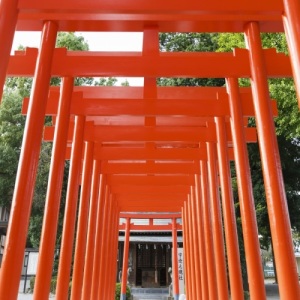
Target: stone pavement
[{"x": 271, "y": 289}]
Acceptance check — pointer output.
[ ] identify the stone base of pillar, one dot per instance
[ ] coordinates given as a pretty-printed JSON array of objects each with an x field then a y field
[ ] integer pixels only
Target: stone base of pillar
[{"x": 123, "y": 297}]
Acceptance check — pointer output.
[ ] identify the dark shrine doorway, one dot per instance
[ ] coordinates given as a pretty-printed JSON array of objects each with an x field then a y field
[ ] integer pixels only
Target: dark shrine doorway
[{"x": 151, "y": 260}]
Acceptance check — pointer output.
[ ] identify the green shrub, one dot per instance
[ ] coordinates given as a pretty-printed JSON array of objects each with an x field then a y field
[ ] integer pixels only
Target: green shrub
[
  {"x": 118, "y": 292},
  {"x": 52, "y": 285},
  {"x": 31, "y": 284},
  {"x": 246, "y": 295}
]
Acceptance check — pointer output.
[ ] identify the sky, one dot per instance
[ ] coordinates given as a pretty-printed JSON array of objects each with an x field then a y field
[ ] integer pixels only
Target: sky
[{"x": 97, "y": 41}]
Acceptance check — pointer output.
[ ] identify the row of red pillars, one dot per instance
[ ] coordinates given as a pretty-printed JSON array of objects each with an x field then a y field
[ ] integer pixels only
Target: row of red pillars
[
  {"x": 259, "y": 87},
  {"x": 288, "y": 284}
]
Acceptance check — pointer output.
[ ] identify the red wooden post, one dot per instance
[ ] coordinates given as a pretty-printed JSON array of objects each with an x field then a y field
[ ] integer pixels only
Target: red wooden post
[
  {"x": 217, "y": 224},
  {"x": 111, "y": 257},
  {"x": 275, "y": 193},
  {"x": 98, "y": 239},
  {"x": 82, "y": 227},
  {"x": 125, "y": 260},
  {"x": 186, "y": 246},
  {"x": 191, "y": 249},
  {"x": 91, "y": 233},
  {"x": 201, "y": 238},
  {"x": 209, "y": 247},
  {"x": 291, "y": 22},
  {"x": 8, "y": 20},
  {"x": 247, "y": 208},
  {"x": 175, "y": 278},
  {"x": 114, "y": 252},
  {"x": 22, "y": 200},
  {"x": 107, "y": 249},
  {"x": 235, "y": 273},
  {"x": 52, "y": 206},
  {"x": 189, "y": 252},
  {"x": 101, "y": 290},
  {"x": 66, "y": 250},
  {"x": 196, "y": 242}
]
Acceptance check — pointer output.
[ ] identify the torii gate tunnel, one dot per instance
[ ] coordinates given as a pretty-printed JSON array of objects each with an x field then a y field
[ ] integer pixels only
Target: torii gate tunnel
[{"x": 155, "y": 149}]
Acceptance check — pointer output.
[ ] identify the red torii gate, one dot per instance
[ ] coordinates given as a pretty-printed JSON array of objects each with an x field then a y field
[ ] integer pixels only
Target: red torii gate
[
  {"x": 211, "y": 16},
  {"x": 159, "y": 194}
]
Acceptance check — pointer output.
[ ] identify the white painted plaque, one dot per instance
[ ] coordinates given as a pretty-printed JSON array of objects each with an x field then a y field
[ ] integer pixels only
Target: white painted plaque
[
  {"x": 180, "y": 270},
  {"x": 32, "y": 263}
]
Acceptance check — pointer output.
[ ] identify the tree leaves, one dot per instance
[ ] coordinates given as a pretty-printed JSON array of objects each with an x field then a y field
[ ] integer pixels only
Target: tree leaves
[
  {"x": 11, "y": 132},
  {"x": 189, "y": 42}
]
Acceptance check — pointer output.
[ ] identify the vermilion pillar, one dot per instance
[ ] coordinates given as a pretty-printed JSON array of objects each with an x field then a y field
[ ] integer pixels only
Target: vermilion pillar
[
  {"x": 187, "y": 264},
  {"x": 235, "y": 273},
  {"x": 52, "y": 205},
  {"x": 217, "y": 224},
  {"x": 91, "y": 234},
  {"x": 23, "y": 193},
  {"x": 81, "y": 236},
  {"x": 175, "y": 278},
  {"x": 191, "y": 250},
  {"x": 107, "y": 249},
  {"x": 275, "y": 193},
  {"x": 188, "y": 249},
  {"x": 247, "y": 208},
  {"x": 8, "y": 20},
  {"x": 291, "y": 22},
  {"x": 125, "y": 260},
  {"x": 111, "y": 257},
  {"x": 106, "y": 211},
  {"x": 114, "y": 252},
  {"x": 98, "y": 240},
  {"x": 201, "y": 238},
  {"x": 209, "y": 247},
  {"x": 196, "y": 243},
  {"x": 66, "y": 250}
]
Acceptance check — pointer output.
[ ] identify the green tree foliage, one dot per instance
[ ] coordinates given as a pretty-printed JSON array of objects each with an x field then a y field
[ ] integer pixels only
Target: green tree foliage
[
  {"x": 11, "y": 133},
  {"x": 287, "y": 128},
  {"x": 287, "y": 124},
  {"x": 71, "y": 41},
  {"x": 118, "y": 291},
  {"x": 106, "y": 81},
  {"x": 203, "y": 42},
  {"x": 189, "y": 42}
]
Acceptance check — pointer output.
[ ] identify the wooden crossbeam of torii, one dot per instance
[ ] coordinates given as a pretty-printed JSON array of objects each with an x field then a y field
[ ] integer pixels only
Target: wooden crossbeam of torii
[
  {"x": 153, "y": 196},
  {"x": 150, "y": 134},
  {"x": 144, "y": 180},
  {"x": 144, "y": 197},
  {"x": 115, "y": 102},
  {"x": 170, "y": 101},
  {"x": 151, "y": 220},
  {"x": 135, "y": 64},
  {"x": 127, "y": 106},
  {"x": 133, "y": 15},
  {"x": 127, "y": 196},
  {"x": 141, "y": 152},
  {"x": 198, "y": 97},
  {"x": 148, "y": 196}
]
